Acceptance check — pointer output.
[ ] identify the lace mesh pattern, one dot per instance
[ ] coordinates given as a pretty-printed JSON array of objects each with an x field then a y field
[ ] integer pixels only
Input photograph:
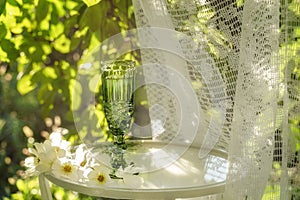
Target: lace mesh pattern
[{"x": 245, "y": 73}]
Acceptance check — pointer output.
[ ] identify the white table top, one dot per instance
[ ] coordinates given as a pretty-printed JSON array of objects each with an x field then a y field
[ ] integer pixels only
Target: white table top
[{"x": 183, "y": 176}]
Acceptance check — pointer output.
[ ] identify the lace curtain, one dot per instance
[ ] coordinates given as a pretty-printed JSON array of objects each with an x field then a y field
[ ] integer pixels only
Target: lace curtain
[{"x": 242, "y": 58}]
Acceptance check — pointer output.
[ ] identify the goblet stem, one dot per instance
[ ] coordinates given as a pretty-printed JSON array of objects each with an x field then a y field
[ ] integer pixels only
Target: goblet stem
[
  {"x": 118, "y": 159},
  {"x": 119, "y": 139}
]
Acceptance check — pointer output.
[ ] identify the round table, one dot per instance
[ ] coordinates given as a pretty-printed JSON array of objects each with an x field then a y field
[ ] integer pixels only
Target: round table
[{"x": 187, "y": 176}]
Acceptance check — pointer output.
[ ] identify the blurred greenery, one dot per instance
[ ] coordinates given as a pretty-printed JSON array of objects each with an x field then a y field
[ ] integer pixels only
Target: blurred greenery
[{"x": 42, "y": 43}]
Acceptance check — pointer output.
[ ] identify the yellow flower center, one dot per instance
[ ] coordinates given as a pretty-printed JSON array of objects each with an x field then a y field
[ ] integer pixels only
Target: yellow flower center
[
  {"x": 101, "y": 178},
  {"x": 67, "y": 168},
  {"x": 82, "y": 164}
]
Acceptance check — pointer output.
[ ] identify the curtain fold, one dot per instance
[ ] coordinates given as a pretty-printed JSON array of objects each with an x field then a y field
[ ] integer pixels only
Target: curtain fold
[
  {"x": 252, "y": 136},
  {"x": 242, "y": 58}
]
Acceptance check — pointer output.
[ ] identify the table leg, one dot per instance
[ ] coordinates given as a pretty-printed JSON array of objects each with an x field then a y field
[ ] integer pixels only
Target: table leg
[{"x": 45, "y": 188}]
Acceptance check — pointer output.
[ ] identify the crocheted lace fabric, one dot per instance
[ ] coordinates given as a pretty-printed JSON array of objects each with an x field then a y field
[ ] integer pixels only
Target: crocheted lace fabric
[{"x": 242, "y": 59}]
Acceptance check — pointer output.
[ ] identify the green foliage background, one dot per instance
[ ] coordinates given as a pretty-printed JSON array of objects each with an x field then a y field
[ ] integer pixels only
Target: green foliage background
[{"x": 42, "y": 43}]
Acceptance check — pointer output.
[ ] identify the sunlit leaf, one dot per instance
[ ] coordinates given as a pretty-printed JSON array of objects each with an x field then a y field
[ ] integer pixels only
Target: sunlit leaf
[
  {"x": 56, "y": 30},
  {"x": 94, "y": 41},
  {"x": 46, "y": 48},
  {"x": 3, "y": 56},
  {"x": 130, "y": 11},
  {"x": 297, "y": 31},
  {"x": 295, "y": 7},
  {"x": 81, "y": 33},
  {"x": 72, "y": 5},
  {"x": 99, "y": 113},
  {"x": 49, "y": 72},
  {"x": 25, "y": 85},
  {"x": 21, "y": 185},
  {"x": 75, "y": 94},
  {"x": 17, "y": 196},
  {"x": 95, "y": 82},
  {"x": 62, "y": 44},
  {"x": 271, "y": 192},
  {"x": 239, "y": 3},
  {"x": 91, "y": 2},
  {"x": 60, "y": 7}
]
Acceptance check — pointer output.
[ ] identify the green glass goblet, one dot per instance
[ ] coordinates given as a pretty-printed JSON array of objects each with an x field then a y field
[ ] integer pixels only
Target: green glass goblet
[{"x": 118, "y": 79}]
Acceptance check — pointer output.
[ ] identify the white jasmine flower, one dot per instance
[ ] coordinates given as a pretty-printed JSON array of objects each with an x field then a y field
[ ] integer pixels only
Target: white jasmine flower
[
  {"x": 43, "y": 156},
  {"x": 129, "y": 177},
  {"x": 82, "y": 156},
  {"x": 54, "y": 156},
  {"x": 56, "y": 140},
  {"x": 99, "y": 176},
  {"x": 48, "y": 150},
  {"x": 65, "y": 168},
  {"x": 82, "y": 159},
  {"x": 31, "y": 163}
]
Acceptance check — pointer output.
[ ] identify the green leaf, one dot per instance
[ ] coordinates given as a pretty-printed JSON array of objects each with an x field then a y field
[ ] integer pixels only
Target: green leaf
[
  {"x": 2, "y": 123},
  {"x": 3, "y": 30},
  {"x": 74, "y": 43},
  {"x": 37, "y": 54},
  {"x": 9, "y": 48},
  {"x": 48, "y": 104},
  {"x": 13, "y": 2},
  {"x": 112, "y": 27},
  {"x": 54, "y": 15},
  {"x": 70, "y": 24},
  {"x": 93, "y": 16},
  {"x": 41, "y": 10},
  {"x": 25, "y": 85},
  {"x": 91, "y": 2},
  {"x": 2, "y": 6},
  {"x": 43, "y": 91}
]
